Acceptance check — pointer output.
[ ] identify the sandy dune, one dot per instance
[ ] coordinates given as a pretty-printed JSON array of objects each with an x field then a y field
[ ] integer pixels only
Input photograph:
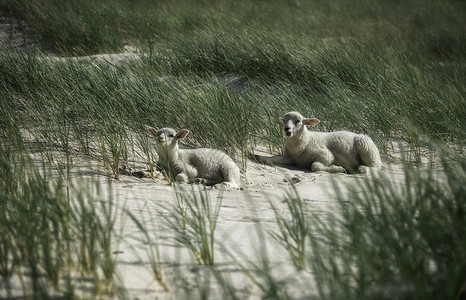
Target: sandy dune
[{"x": 237, "y": 229}]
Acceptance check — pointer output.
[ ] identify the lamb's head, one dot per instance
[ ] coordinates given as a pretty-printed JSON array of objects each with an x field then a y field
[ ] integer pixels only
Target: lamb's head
[
  {"x": 167, "y": 139},
  {"x": 294, "y": 123}
]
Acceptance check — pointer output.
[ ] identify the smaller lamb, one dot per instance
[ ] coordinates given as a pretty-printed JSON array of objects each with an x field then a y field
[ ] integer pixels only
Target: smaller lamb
[
  {"x": 335, "y": 152},
  {"x": 203, "y": 166}
]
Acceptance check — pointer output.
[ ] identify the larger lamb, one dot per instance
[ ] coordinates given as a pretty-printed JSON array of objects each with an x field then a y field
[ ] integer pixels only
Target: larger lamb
[{"x": 335, "y": 152}]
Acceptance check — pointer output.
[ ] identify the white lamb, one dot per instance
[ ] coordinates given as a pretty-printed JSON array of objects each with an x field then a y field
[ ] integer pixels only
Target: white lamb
[
  {"x": 204, "y": 166},
  {"x": 336, "y": 152}
]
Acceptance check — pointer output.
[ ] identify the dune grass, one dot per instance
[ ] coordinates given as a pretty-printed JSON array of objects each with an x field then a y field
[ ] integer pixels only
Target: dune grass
[
  {"x": 378, "y": 68},
  {"x": 293, "y": 234},
  {"x": 87, "y": 27},
  {"x": 194, "y": 220},
  {"x": 395, "y": 241},
  {"x": 66, "y": 105},
  {"x": 56, "y": 236},
  {"x": 381, "y": 69}
]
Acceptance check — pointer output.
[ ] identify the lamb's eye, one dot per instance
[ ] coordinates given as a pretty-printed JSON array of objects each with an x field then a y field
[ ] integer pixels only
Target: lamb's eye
[
  {"x": 171, "y": 135},
  {"x": 297, "y": 121}
]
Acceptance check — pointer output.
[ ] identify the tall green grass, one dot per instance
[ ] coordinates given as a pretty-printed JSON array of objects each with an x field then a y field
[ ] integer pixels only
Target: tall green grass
[
  {"x": 194, "y": 220},
  {"x": 395, "y": 240},
  {"x": 55, "y": 236},
  {"x": 79, "y": 107},
  {"x": 293, "y": 234},
  {"x": 86, "y": 27},
  {"x": 373, "y": 67}
]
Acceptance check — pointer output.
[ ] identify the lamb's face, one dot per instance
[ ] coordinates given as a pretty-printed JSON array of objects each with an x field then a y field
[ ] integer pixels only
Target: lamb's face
[
  {"x": 294, "y": 123},
  {"x": 165, "y": 137}
]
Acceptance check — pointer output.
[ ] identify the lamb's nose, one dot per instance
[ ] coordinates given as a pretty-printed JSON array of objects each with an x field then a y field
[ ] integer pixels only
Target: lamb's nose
[{"x": 287, "y": 128}]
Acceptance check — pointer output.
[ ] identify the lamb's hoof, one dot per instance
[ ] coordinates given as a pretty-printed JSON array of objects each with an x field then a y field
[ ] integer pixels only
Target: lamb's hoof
[
  {"x": 368, "y": 170},
  {"x": 219, "y": 186},
  {"x": 226, "y": 186},
  {"x": 200, "y": 181},
  {"x": 363, "y": 170},
  {"x": 334, "y": 170}
]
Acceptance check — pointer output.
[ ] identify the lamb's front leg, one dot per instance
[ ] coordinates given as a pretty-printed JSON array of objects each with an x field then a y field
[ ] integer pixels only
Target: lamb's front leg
[
  {"x": 188, "y": 175},
  {"x": 182, "y": 178},
  {"x": 318, "y": 166},
  {"x": 324, "y": 161}
]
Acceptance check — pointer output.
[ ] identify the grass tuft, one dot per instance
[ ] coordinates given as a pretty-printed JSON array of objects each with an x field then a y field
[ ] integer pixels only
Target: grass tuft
[{"x": 194, "y": 220}]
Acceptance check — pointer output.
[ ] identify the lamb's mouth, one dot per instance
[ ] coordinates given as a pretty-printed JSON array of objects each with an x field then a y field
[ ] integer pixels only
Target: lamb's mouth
[
  {"x": 161, "y": 140},
  {"x": 288, "y": 133}
]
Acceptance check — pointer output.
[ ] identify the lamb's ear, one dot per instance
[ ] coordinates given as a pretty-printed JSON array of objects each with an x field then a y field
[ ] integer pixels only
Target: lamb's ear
[
  {"x": 152, "y": 131},
  {"x": 181, "y": 134},
  {"x": 281, "y": 120},
  {"x": 311, "y": 121}
]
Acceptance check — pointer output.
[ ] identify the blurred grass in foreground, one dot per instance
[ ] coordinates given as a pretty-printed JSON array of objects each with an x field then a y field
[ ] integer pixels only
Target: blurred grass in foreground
[
  {"x": 56, "y": 236},
  {"x": 396, "y": 240}
]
